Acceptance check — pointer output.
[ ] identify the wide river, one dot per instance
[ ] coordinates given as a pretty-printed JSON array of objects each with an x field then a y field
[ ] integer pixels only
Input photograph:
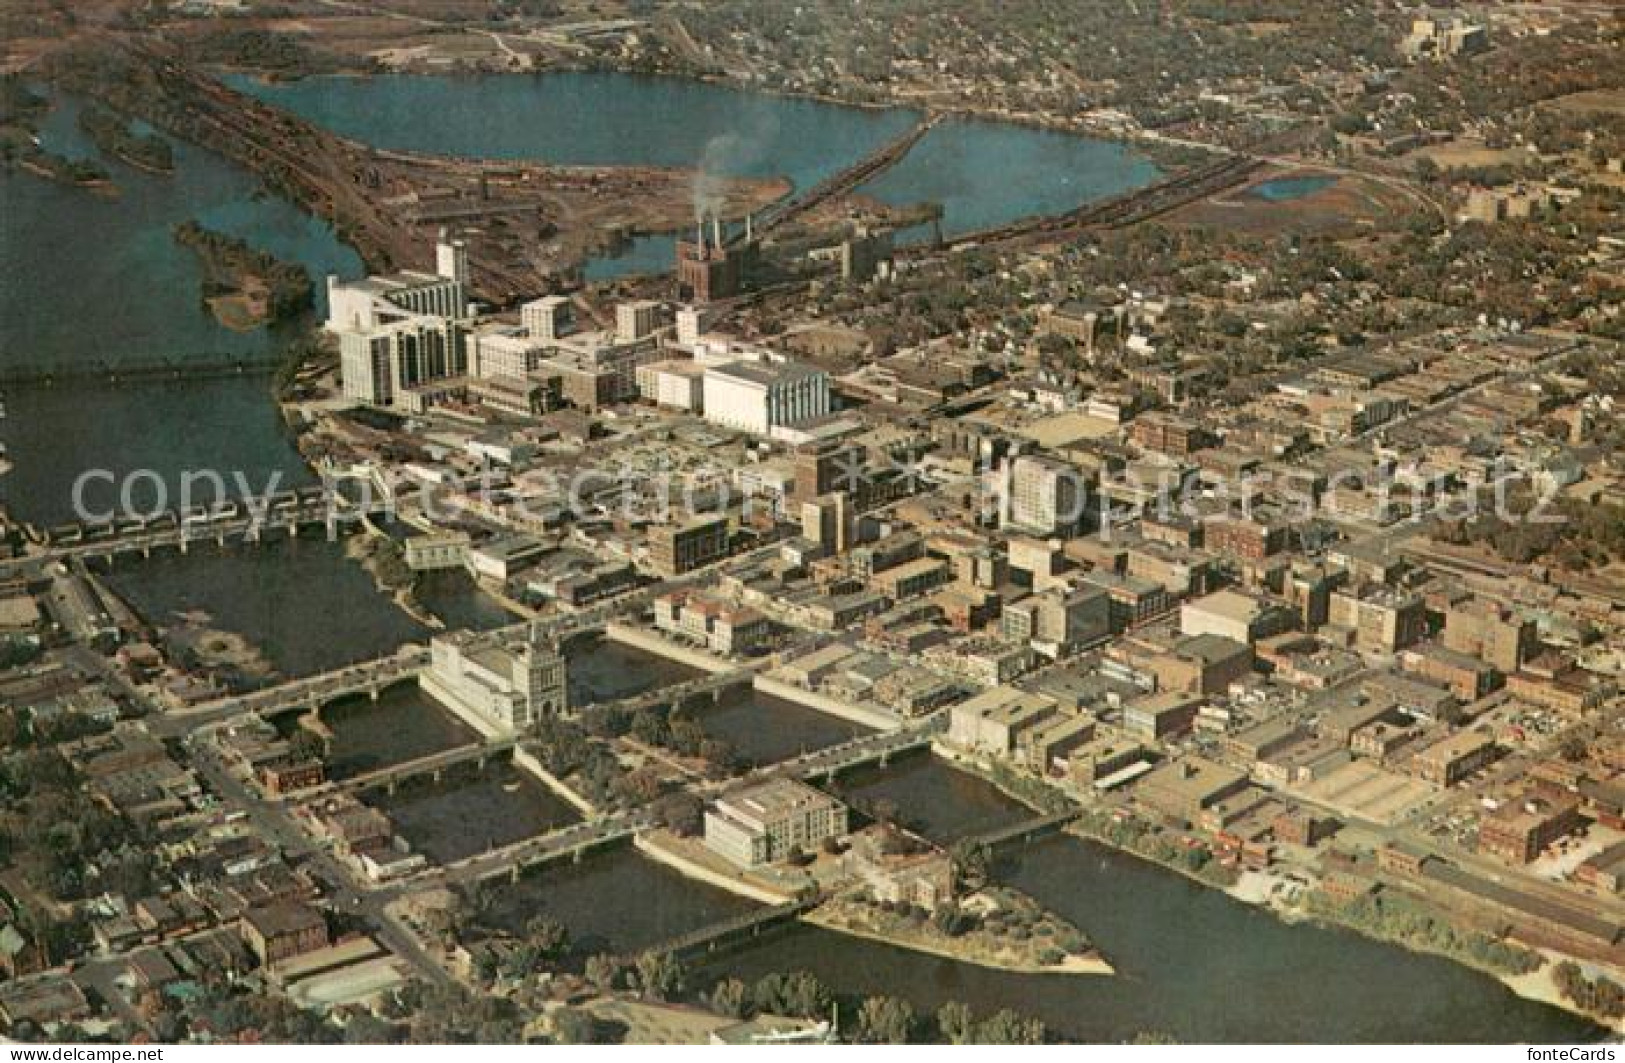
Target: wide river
[{"x": 87, "y": 278}]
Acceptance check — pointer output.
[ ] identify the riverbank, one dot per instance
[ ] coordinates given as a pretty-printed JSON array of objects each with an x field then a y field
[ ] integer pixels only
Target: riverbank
[
  {"x": 694, "y": 862},
  {"x": 848, "y": 915},
  {"x": 1541, "y": 987},
  {"x": 385, "y": 562},
  {"x": 1534, "y": 985}
]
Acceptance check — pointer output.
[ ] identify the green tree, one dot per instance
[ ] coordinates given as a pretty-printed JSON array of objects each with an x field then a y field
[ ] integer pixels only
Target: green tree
[
  {"x": 550, "y": 937},
  {"x": 603, "y": 971},
  {"x": 885, "y": 1021},
  {"x": 660, "y": 975},
  {"x": 956, "y": 1023},
  {"x": 730, "y": 997},
  {"x": 1005, "y": 1027}
]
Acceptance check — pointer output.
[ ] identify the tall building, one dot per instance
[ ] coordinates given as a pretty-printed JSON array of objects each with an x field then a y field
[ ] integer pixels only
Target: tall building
[
  {"x": 548, "y": 318},
  {"x": 771, "y": 821},
  {"x": 822, "y": 468},
  {"x": 1490, "y": 632},
  {"x": 637, "y": 319},
  {"x": 504, "y": 351},
  {"x": 399, "y": 331},
  {"x": 1058, "y": 622},
  {"x": 451, "y": 259},
  {"x": 829, "y": 521},
  {"x": 498, "y": 688},
  {"x": 1383, "y": 620},
  {"x": 761, "y": 396},
  {"x": 1043, "y": 496},
  {"x": 377, "y": 365}
]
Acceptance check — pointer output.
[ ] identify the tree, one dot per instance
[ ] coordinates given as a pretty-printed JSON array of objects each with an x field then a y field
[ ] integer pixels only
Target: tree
[
  {"x": 681, "y": 812},
  {"x": 798, "y": 994},
  {"x": 365, "y": 1028},
  {"x": 972, "y": 863},
  {"x": 603, "y": 971},
  {"x": 730, "y": 997},
  {"x": 952, "y": 920},
  {"x": 550, "y": 937},
  {"x": 1005, "y": 1027},
  {"x": 955, "y": 1022},
  {"x": 577, "y": 1026},
  {"x": 885, "y": 1021},
  {"x": 660, "y": 975}
]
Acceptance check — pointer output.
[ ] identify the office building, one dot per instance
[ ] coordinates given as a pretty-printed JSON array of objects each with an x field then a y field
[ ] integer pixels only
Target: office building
[
  {"x": 498, "y": 688},
  {"x": 401, "y": 331},
  {"x": 829, "y": 521},
  {"x": 674, "y": 550},
  {"x": 1382, "y": 619},
  {"x": 1043, "y": 496},
  {"x": 771, "y": 821},
  {"x": 1491, "y": 632},
  {"x": 637, "y": 320},
  {"x": 547, "y": 319}
]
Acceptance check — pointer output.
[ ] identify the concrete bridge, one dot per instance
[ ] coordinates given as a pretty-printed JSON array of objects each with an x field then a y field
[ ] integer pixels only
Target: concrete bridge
[
  {"x": 434, "y": 765},
  {"x": 686, "y": 695},
  {"x": 308, "y": 694},
  {"x": 107, "y": 540},
  {"x": 743, "y": 927},
  {"x": 567, "y": 843},
  {"x": 870, "y": 749}
]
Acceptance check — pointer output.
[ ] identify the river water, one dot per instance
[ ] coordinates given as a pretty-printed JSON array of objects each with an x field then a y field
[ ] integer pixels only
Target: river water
[
  {"x": 95, "y": 279},
  {"x": 470, "y": 812},
  {"x": 983, "y": 173},
  {"x": 1191, "y": 962}
]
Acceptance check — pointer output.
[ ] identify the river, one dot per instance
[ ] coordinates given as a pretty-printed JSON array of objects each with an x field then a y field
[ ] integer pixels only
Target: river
[
  {"x": 1192, "y": 963},
  {"x": 96, "y": 279},
  {"x": 983, "y": 173}
]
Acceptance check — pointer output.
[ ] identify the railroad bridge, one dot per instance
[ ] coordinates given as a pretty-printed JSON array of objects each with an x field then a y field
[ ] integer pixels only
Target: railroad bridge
[{"x": 743, "y": 927}]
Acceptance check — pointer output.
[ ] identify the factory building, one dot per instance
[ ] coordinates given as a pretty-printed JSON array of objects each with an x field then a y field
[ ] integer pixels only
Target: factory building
[{"x": 711, "y": 270}]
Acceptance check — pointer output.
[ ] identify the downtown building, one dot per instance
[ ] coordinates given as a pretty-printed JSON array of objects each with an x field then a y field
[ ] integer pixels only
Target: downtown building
[
  {"x": 499, "y": 689},
  {"x": 769, "y": 821},
  {"x": 402, "y": 332}
]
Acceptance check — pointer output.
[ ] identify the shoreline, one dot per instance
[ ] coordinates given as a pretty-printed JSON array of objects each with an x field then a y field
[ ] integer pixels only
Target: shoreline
[
  {"x": 1534, "y": 986},
  {"x": 1077, "y": 966}
]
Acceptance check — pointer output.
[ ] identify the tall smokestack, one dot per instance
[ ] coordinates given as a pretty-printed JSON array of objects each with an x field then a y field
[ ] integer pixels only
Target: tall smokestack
[
  {"x": 699, "y": 234},
  {"x": 748, "y": 228},
  {"x": 716, "y": 231}
]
